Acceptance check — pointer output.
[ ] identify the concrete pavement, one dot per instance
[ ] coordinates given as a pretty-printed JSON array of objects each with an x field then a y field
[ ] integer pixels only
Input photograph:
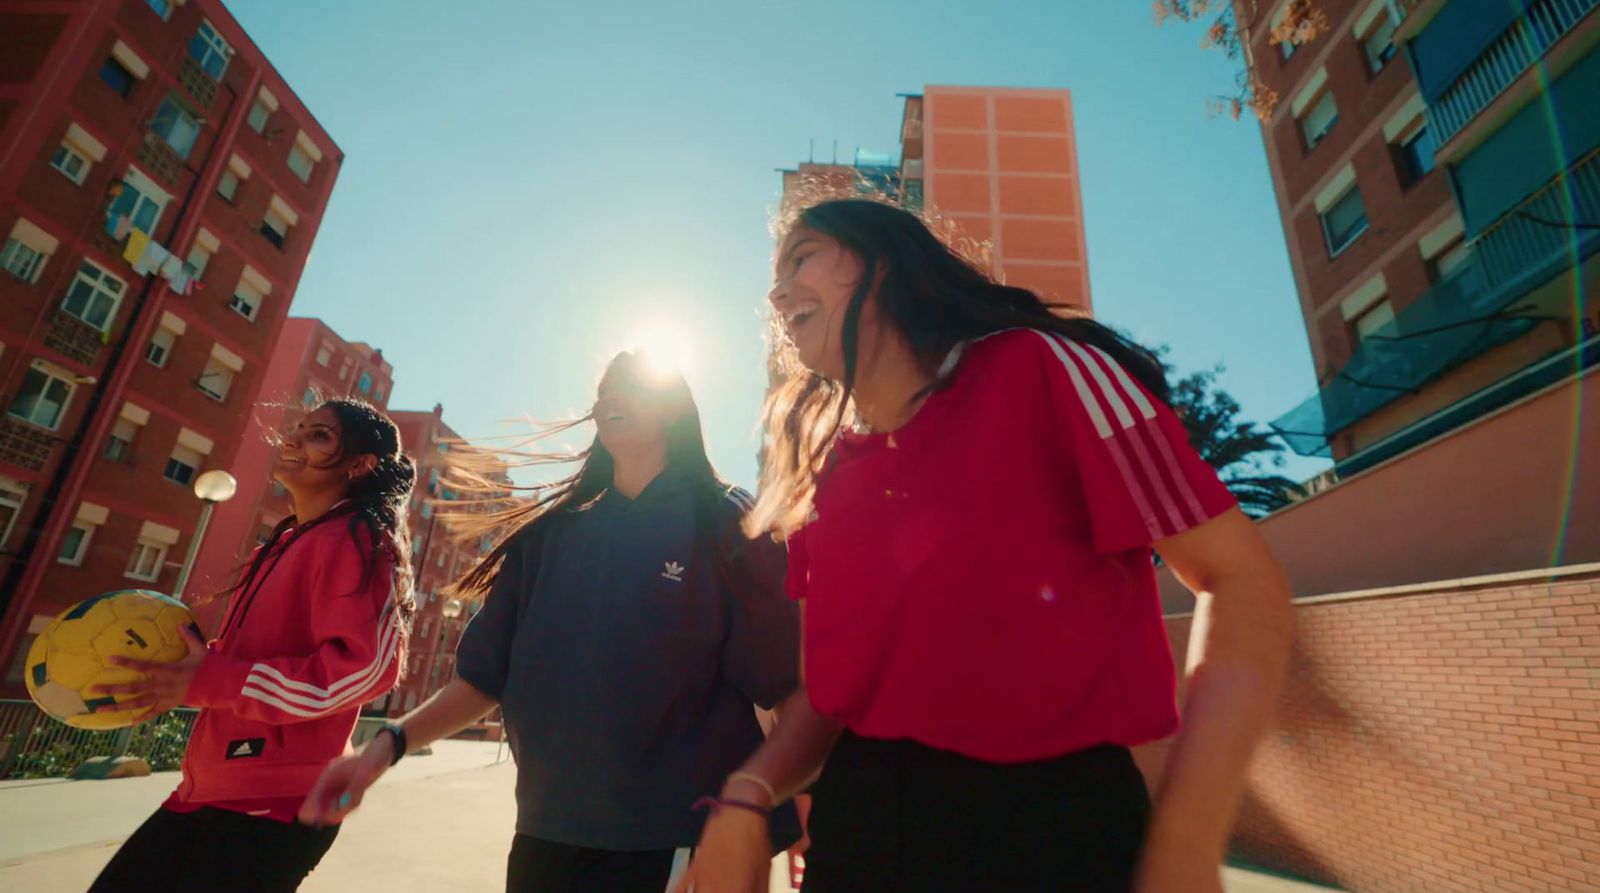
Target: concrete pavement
[{"x": 435, "y": 823}]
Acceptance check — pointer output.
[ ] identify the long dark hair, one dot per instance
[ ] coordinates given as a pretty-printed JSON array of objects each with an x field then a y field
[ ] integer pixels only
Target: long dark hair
[
  {"x": 375, "y": 508},
  {"x": 480, "y": 473},
  {"x": 933, "y": 297}
]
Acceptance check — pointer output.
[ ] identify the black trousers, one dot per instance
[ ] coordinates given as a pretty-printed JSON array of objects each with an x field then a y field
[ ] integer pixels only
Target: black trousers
[
  {"x": 891, "y": 816},
  {"x": 540, "y": 866},
  {"x": 215, "y": 849}
]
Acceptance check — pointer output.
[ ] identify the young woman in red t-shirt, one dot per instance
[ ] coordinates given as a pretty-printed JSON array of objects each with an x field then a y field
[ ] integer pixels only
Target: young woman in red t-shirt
[{"x": 972, "y": 486}]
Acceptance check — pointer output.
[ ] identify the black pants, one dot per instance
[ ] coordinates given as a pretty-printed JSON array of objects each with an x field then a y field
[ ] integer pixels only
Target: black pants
[
  {"x": 891, "y": 816},
  {"x": 540, "y": 866},
  {"x": 214, "y": 849}
]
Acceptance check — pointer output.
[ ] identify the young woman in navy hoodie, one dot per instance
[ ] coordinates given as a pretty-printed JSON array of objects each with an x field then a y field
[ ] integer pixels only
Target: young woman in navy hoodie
[
  {"x": 316, "y": 627},
  {"x": 628, "y": 629}
]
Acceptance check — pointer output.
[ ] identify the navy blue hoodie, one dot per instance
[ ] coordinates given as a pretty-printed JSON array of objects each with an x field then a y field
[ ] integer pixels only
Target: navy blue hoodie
[{"x": 627, "y": 646}]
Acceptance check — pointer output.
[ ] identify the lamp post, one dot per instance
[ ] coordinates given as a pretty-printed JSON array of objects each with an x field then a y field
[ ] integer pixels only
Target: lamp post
[{"x": 211, "y": 487}]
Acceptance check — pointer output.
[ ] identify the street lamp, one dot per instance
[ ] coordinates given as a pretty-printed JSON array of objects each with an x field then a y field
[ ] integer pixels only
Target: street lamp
[
  {"x": 452, "y": 608},
  {"x": 211, "y": 487}
]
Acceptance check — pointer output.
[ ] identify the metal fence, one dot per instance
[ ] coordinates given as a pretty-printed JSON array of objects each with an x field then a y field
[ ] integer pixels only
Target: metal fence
[{"x": 33, "y": 745}]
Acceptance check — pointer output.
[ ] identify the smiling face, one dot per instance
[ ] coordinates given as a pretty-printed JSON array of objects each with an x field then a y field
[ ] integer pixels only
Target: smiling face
[
  {"x": 633, "y": 407},
  {"x": 311, "y": 456},
  {"x": 813, "y": 281}
]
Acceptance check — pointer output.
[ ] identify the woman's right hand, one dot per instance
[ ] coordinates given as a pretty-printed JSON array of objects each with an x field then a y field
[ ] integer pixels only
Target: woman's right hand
[
  {"x": 339, "y": 789},
  {"x": 734, "y": 855}
]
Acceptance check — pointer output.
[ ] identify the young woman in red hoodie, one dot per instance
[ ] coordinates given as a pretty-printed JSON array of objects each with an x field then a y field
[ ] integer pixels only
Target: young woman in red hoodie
[{"x": 316, "y": 628}]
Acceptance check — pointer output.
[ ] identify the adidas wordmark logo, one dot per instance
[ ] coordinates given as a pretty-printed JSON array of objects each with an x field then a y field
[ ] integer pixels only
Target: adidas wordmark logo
[{"x": 673, "y": 572}]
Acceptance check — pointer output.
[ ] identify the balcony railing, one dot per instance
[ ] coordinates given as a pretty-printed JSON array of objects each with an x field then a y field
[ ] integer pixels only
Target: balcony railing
[
  {"x": 1546, "y": 223},
  {"x": 202, "y": 86},
  {"x": 72, "y": 337},
  {"x": 1524, "y": 43},
  {"x": 161, "y": 158},
  {"x": 24, "y": 445},
  {"x": 1463, "y": 316}
]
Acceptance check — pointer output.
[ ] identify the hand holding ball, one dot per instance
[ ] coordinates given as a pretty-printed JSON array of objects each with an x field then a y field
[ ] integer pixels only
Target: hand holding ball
[{"x": 115, "y": 660}]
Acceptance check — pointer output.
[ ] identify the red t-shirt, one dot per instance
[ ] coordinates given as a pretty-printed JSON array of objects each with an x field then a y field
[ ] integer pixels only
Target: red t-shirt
[{"x": 980, "y": 580}]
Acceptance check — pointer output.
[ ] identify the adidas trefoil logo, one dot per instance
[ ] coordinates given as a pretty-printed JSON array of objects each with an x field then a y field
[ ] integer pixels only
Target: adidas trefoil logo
[{"x": 673, "y": 572}]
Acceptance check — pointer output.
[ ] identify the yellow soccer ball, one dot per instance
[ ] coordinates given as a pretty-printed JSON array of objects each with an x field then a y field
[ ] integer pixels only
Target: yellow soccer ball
[{"x": 72, "y": 655}]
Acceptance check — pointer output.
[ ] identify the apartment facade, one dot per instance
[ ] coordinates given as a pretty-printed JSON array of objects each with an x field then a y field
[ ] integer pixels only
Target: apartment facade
[{"x": 160, "y": 188}]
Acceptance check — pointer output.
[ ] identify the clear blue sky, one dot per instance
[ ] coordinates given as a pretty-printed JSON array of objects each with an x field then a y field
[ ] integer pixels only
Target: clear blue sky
[{"x": 527, "y": 184}]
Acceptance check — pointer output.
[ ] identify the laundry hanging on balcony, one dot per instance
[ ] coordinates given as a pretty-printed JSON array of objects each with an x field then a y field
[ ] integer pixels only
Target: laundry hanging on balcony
[{"x": 151, "y": 258}]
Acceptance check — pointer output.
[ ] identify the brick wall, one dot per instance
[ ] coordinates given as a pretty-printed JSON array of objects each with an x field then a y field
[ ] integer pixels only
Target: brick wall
[{"x": 1443, "y": 741}]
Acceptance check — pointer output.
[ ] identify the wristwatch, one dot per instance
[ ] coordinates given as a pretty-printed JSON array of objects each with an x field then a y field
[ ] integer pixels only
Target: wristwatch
[{"x": 398, "y": 733}]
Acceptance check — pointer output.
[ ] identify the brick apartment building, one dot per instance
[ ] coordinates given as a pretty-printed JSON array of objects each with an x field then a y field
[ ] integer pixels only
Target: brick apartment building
[
  {"x": 160, "y": 188},
  {"x": 1436, "y": 169},
  {"x": 999, "y": 163},
  {"x": 439, "y": 558},
  {"x": 1437, "y": 173},
  {"x": 311, "y": 362}
]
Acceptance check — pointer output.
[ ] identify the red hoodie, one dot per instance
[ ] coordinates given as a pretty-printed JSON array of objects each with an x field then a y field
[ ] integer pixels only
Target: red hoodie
[{"x": 282, "y": 684}]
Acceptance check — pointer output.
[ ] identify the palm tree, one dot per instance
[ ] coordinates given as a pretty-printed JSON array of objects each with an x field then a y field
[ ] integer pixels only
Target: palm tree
[{"x": 1243, "y": 453}]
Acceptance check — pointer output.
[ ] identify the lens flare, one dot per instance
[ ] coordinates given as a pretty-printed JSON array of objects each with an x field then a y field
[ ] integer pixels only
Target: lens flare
[{"x": 663, "y": 349}]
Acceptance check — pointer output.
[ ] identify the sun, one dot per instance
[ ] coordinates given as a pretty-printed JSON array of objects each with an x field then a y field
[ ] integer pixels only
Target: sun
[{"x": 662, "y": 346}]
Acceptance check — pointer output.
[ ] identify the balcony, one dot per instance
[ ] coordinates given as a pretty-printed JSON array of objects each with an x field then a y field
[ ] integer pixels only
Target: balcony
[
  {"x": 72, "y": 337},
  {"x": 1462, "y": 317},
  {"x": 195, "y": 80},
  {"x": 24, "y": 445},
  {"x": 161, "y": 159},
  {"x": 1523, "y": 43}
]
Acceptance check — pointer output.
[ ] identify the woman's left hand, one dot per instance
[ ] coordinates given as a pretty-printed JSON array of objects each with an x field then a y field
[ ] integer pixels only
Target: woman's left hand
[{"x": 163, "y": 686}]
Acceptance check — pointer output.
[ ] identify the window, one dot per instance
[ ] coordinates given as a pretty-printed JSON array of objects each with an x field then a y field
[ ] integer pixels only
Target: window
[
  {"x": 364, "y": 383},
  {"x": 324, "y": 355},
  {"x": 377, "y": 394},
  {"x": 259, "y": 116},
  {"x": 182, "y": 465},
  {"x": 1416, "y": 155},
  {"x": 345, "y": 367},
  {"x": 228, "y": 185},
  {"x": 11, "y": 497},
  {"x": 263, "y": 533},
  {"x": 93, "y": 296},
  {"x": 1344, "y": 220},
  {"x": 117, "y": 76},
  {"x": 139, "y": 200},
  {"x": 160, "y": 347},
  {"x": 76, "y": 543},
  {"x": 162, "y": 8},
  {"x": 119, "y": 446},
  {"x": 22, "y": 260},
  {"x": 145, "y": 563},
  {"x": 309, "y": 398},
  {"x": 246, "y": 301},
  {"x": 210, "y": 50},
  {"x": 70, "y": 163},
  {"x": 1378, "y": 45},
  {"x": 301, "y": 163},
  {"x": 198, "y": 258},
  {"x": 215, "y": 379},
  {"x": 174, "y": 124},
  {"x": 42, "y": 399},
  {"x": 274, "y": 227},
  {"x": 1373, "y": 319},
  {"x": 26, "y": 250},
  {"x": 1319, "y": 120}
]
